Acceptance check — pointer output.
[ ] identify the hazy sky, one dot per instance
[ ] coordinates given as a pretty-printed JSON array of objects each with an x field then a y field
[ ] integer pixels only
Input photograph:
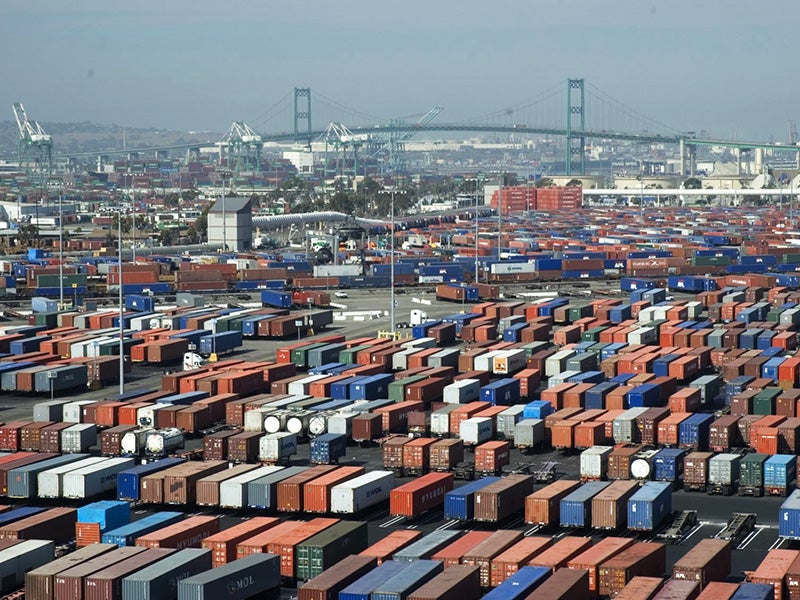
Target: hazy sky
[{"x": 727, "y": 66}]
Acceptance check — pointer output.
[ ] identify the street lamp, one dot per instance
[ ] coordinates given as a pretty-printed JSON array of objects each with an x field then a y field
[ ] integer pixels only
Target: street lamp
[
  {"x": 213, "y": 357},
  {"x": 60, "y": 250},
  {"x": 298, "y": 324},
  {"x": 224, "y": 174},
  {"x": 391, "y": 266},
  {"x": 121, "y": 307},
  {"x": 51, "y": 377}
]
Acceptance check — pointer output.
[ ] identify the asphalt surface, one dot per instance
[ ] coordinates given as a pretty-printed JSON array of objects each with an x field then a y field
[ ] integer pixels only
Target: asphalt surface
[{"x": 713, "y": 511}]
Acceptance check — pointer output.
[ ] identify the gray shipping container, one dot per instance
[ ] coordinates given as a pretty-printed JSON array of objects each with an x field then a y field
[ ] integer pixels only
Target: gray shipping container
[
  {"x": 263, "y": 492},
  {"x": 724, "y": 469},
  {"x": 508, "y": 419},
  {"x": 243, "y": 578},
  {"x": 426, "y": 546},
  {"x": 52, "y": 410},
  {"x": 78, "y": 438},
  {"x": 21, "y": 558},
  {"x": 445, "y": 358},
  {"x": 586, "y": 361},
  {"x": 624, "y": 426},
  {"x": 159, "y": 581},
  {"x": 528, "y": 433},
  {"x": 67, "y": 377},
  {"x": 403, "y": 584},
  {"x": 23, "y": 481}
]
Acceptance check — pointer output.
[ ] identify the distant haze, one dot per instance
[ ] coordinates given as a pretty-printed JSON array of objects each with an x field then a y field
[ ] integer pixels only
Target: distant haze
[{"x": 720, "y": 65}]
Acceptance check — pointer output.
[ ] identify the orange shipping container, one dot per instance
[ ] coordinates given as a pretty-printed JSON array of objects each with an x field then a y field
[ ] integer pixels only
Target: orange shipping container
[
  {"x": 772, "y": 570},
  {"x": 258, "y": 543},
  {"x": 542, "y": 506},
  {"x": 223, "y": 544},
  {"x": 592, "y": 558},
  {"x": 188, "y": 533},
  {"x": 560, "y": 553},
  {"x": 395, "y": 541},
  {"x": 317, "y": 492},
  {"x": 517, "y": 556},
  {"x": 452, "y": 553}
]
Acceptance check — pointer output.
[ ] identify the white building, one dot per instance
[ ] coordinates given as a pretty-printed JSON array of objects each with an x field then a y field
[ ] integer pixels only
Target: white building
[{"x": 230, "y": 223}]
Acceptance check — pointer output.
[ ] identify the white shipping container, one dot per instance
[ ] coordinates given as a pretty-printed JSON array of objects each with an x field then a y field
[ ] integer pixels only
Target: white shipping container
[
  {"x": 555, "y": 364},
  {"x": 21, "y": 558},
  {"x": 342, "y": 423},
  {"x": 448, "y": 357},
  {"x": 512, "y": 267},
  {"x": 646, "y": 315},
  {"x": 643, "y": 335},
  {"x": 233, "y": 491},
  {"x": 560, "y": 378},
  {"x": 78, "y": 438},
  {"x": 73, "y": 411},
  {"x": 49, "y": 483},
  {"x": 507, "y": 322},
  {"x": 594, "y": 462},
  {"x": 529, "y": 433},
  {"x": 660, "y": 312},
  {"x": 695, "y": 309},
  {"x": 362, "y": 492},
  {"x": 475, "y": 431},
  {"x": 275, "y": 447},
  {"x": 96, "y": 479},
  {"x": 51, "y": 410},
  {"x": 161, "y": 442},
  {"x": 135, "y": 441},
  {"x": 400, "y": 359},
  {"x": 254, "y": 419},
  {"x": 485, "y": 362},
  {"x": 301, "y": 385},
  {"x": 420, "y": 343},
  {"x": 508, "y": 419},
  {"x": 462, "y": 391},
  {"x": 337, "y": 270},
  {"x": 510, "y": 361},
  {"x": 440, "y": 420},
  {"x": 147, "y": 415},
  {"x": 139, "y": 322},
  {"x": 623, "y": 428}
]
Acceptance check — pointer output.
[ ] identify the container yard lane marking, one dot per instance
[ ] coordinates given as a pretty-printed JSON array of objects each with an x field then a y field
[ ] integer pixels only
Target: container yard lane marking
[
  {"x": 447, "y": 525},
  {"x": 392, "y": 521},
  {"x": 532, "y": 530},
  {"x": 777, "y": 544},
  {"x": 694, "y": 530},
  {"x": 750, "y": 537}
]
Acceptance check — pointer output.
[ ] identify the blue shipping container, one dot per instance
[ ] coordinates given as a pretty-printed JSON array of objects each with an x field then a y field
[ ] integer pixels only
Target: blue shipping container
[
  {"x": 220, "y": 342},
  {"x": 404, "y": 583},
  {"x": 596, "y": 396},
  {"x": 780, "y": 471},
  {"x": 362, "y": 588},
  {"x": 754, "y": 591},
  {"x": 538, "y": 409},
  {"x": 328, "y": 448},
  {"x": 503, "y": 392},
  {"x": 459, "y": 503},
  {"x": 128, "y": 482},
  {"x": 276, "y": 298},
  {"x": 371, "y": 388},
  {"x": 575, "y": 509},
  {"x": 109, "y": 514},
  {"x": 645, "y": 395},
  {"x": 340, "y": 390},
  {"x": 520, "y": 584},
  {"x": 693, "y": 431},
  {"x": 127, "y": 534},
  {"x": 668, "y": 464},
  {"x": 650, "y": 505}
]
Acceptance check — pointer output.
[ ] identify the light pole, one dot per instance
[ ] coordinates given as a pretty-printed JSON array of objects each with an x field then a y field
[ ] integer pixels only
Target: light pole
[
  {"x": 391, "y": 271},
  {"x": 133, "y": 228},
  {"x": 224, "y": 174},
  {"x": 213, "y": 357},
  {"x": 500, "y": 219},
  {"x": 121, "y": 308},
  {"x": 60, "y": 250},
  {"x": 478, "y": 181},
  {"x": 51, "y": 377}
]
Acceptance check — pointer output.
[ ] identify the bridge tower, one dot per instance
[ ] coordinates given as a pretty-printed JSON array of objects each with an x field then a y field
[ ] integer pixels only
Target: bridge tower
[
  {"x": 576, "y": 145},
  {"x": 301, "y": 94}
]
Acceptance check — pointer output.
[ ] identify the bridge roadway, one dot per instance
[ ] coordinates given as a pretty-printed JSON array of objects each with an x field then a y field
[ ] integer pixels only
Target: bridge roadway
[{"x": 457, "y": 127}]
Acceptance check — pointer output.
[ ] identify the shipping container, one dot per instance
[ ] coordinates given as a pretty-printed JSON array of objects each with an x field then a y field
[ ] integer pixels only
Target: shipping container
[
  {"x": 641, "y": 559},
  {"x": 246, "y": 577},
  {"x": 520, "y": 584},
  {"x": 542, "y": 507},
  {"x": 223, "y": 544},
  {"x": 484, "y": 552},
  {"x": 708, "y": 560},
  {"x": 362, "y": 492},
  {"x": 362, "y": 588},
  {"x": 575, "y": 509},
  {"x": 127, "y": 534},
  {"x": 327, "y": 548},
  {"x": 40, "y": 582},
  {"x": 418, "y": 496},
  {"x": 328, "y": 584}
]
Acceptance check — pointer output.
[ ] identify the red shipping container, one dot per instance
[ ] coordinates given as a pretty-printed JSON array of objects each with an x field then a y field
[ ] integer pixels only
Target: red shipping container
[{"x": 418, "y": 496}]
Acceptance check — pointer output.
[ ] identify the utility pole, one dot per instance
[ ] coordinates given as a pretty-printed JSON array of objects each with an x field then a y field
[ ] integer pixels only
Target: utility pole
[
  {"x": 60, "y": 250},
  {"x": 391, "y": 270},
  {"x": 121, "y": 312}
]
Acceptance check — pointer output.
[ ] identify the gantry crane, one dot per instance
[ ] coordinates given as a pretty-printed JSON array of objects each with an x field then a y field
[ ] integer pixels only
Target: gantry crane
[
  {"x": 340, "y": 139},
  {"x": 34, "y": 143},
  {"x": 391, "y": 150},
  {"x": 242, "y": 147}
]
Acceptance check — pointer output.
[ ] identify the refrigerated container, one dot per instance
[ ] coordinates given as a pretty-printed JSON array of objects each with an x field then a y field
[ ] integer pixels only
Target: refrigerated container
[
  {"x": 94, "y": 479},
  {"x": 594, "y": 462},
  {"x": 362, "y": 492}
]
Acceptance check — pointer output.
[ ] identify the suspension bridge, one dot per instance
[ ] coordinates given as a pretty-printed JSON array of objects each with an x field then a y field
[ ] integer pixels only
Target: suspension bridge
[{"x": 577, "y": 112}]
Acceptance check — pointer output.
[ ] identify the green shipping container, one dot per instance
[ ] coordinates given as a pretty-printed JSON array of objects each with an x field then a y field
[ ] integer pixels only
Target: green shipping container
[
  {"x": 328, "y": 547},
  {"x": 774, "y": 316},
  {"x": 300, "y": 355},
  {"x": 579, "y": 312},
  {"x": 54, "y": 280},
  {"x": 791, "y": 259},
  {"x": 113, "y": 349},
  {"x": 397, "y": 389},
  {"x": 752, "y": 470},
  {"x": 711, "y": 261},
  {"x": 534, "y": 347},
  {"x": 593, "y": 334},
  {"x": 348, "y": 356},
  {"x": 49, "y": 320},
  {"x": 764, "y": 402}
]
